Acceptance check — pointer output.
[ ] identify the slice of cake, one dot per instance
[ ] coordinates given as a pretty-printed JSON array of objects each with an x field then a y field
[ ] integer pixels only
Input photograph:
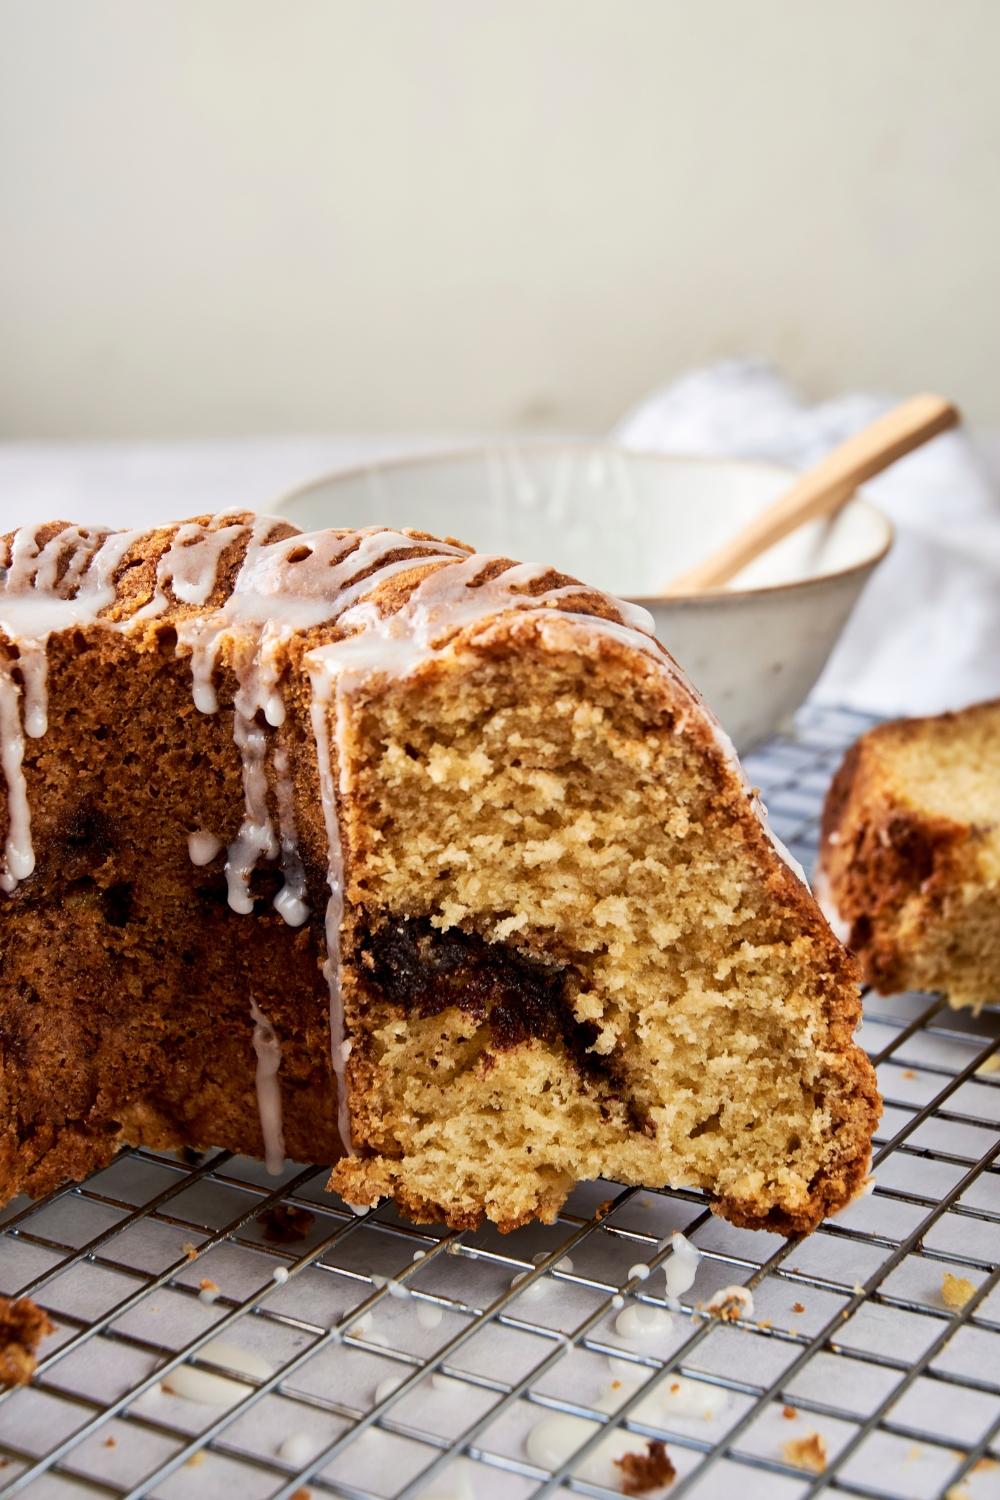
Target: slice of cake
[
  {"x": 360, "y": 845},
  {"x": 910, "y": 854}
]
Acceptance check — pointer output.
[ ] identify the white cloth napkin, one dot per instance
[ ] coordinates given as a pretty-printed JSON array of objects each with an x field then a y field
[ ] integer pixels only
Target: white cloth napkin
[{"x": 925, "y": 635}]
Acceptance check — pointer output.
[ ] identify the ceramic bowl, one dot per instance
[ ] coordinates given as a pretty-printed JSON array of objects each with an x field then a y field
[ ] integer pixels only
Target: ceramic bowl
[{"x": 628, "y": 523}]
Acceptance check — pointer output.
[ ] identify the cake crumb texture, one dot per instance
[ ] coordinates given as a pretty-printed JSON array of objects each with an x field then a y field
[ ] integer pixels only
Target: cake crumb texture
[
  {"x": 910, "y": 854},
  {"x": 22, "y": 1328},
  {"x": 807, "y": 1452},
  {"x": 642, "y": 1472},
  {"x": 956, "y": 1290},
  {"x": 580, "y": 954}
]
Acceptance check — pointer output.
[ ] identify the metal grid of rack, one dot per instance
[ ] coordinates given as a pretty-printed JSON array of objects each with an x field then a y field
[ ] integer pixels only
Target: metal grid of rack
[{"x": 376, "y": 1359}]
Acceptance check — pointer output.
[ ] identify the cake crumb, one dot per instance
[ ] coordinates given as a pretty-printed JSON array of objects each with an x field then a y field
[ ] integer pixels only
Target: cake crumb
[
  {"x": 858, "y": 1289},
  {"x": 983, "y": 1465},
  {"x": 807, "y": 1452},
  {"x": 301, "y": 1494},
  {"x": 642, "y": 1472},
  {"x": 206, "y": 1284},
  {"x": 195, "y": 1459},
  {"x": 23, "y": 1325},
  {"x": 766, "y": 1323},
  {"x": 956, "y": 1290},
  {"x": 991, "y": 1065},
  {"x": 283, "y": 1224},
  {"x": 110, "y": 1443},
  {"x": 730, "y": 1304},
  {"x": 191, "y": 1251},
  {"x": 603, "y": 1209},
  {"x": 908, "y": 1073},
  {"x": 797, "y": 1307},
  {"x": 789, "y": 1413}
]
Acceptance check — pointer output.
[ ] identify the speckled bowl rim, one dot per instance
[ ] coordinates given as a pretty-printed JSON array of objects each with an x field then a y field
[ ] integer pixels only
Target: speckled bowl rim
[{"x": 478, "y": 449}]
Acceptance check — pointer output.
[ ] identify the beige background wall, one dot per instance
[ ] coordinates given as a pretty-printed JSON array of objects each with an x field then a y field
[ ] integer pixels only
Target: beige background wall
[{"x": 229, "y": 216}]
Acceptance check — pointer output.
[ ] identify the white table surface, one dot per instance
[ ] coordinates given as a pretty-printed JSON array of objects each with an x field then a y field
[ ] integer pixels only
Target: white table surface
[{"x": 136, "y": 484}]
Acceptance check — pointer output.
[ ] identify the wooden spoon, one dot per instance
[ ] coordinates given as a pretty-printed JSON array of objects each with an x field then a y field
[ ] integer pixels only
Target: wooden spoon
[{"x": 823, "y": 489}]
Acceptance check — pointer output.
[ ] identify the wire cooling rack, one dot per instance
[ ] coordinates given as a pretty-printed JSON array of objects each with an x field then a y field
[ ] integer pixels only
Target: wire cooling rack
[{"x": 379, "y": 1359}]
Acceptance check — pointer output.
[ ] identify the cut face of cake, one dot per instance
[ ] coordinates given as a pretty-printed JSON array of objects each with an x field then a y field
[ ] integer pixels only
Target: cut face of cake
[
  {"x": 361, "y": 847},
  {"x": 910, "y": 854}
]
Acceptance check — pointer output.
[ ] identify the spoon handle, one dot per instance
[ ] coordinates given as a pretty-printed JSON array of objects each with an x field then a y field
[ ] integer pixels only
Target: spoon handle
[{"x": 823, "y": 488}]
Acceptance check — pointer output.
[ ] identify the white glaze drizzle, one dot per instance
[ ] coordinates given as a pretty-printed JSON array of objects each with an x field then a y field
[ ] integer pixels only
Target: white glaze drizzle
[
  {"x": 282, "y": 587},
  {"x": 19, "y": 856},
  {"x": 279, "y": 591},
  {"x": 449, "y": 600},
  {"x": 32, "y": 605},
  {"x": 217, "y": 1390},
  {"x": 256, "y": 836},
  {"x": 555, "y": 1438},
  {"x": 203, "y": 847},
  {"x": 680, "y": 1396},
  {"x": 298, "y": 1448},
  {"x": 290, "y": 901},
  {"x": 190, "y": 564},
  {"x": 34, "y": 665},
  {"x": 202, "y": 634},
  {"x": 642, "y": 1321},
  {"x": 681, "y": 1269},
  {"x": 268, "y": 1050}
]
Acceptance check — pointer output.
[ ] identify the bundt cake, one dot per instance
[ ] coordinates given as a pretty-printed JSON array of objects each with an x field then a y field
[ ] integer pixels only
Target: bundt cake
[
  {"x": 359, "y": 847},
  {"x": 910, "y": 854}
]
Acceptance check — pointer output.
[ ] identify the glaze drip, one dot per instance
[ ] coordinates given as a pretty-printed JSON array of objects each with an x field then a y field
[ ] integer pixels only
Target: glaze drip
[
  {"x": 203, "y": 847},
  {"x": 290, "y": 901},
  {"x": 19, "y": 856},
  {"x": 66, "y": 582},
  {"x": 190, "y": 564},
  {"x": 268, "y": 1050},
  {"x": 256, "y": 836}
]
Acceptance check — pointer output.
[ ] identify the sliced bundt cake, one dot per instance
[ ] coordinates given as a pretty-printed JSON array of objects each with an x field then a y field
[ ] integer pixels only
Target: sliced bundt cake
[{"x": 360, "y": 845}]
